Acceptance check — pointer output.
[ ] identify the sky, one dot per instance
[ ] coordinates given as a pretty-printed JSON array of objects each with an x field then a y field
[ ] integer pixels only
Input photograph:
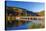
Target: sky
[{"x": 31, "y": 6}]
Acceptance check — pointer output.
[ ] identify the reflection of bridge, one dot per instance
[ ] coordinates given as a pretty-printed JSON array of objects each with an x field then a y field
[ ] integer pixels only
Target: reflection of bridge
[
  {"x": 30, "y": 18},
  {"x": 34, "y": 19}
]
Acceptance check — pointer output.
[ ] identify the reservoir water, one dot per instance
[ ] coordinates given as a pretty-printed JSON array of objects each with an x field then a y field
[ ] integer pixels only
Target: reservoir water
[{"x": 24, "y": 26}]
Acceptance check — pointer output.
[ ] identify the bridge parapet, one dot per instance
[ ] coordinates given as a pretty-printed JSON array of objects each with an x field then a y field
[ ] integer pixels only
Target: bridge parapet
[{"x": 29, "y": 18}]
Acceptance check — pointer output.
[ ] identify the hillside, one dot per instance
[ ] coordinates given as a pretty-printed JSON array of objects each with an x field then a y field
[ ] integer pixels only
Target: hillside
[
  {"x": 42, "y": 13},
  {"x": 23, "y": 12}
]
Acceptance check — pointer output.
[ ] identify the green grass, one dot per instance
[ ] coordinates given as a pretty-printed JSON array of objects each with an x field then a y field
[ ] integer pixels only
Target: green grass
[{"x": 36, "y": 26}]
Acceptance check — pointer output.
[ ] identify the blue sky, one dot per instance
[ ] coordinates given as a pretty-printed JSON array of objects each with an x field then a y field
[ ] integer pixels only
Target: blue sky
[{"x": 31, "y": 6}]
